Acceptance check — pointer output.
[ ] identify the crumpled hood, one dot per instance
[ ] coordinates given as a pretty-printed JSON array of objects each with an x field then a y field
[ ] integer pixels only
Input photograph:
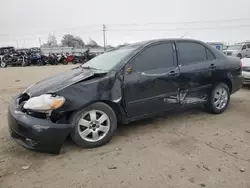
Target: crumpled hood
[{"x": 59, "y": 81}]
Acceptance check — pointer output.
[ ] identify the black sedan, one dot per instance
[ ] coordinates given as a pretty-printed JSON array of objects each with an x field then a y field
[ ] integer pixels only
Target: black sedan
[{"x": 130, "y": 83}]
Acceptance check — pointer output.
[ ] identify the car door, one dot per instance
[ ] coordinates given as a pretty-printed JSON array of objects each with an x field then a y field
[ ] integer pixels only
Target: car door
[
  {"x": 248, "y": 50},
  {"x": 197, "y": 66},
  {"x": 150, "y": 81},
  {"x": 244, "y": 51}
]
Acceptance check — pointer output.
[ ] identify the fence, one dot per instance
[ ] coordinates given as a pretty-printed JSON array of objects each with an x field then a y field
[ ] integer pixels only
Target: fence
[{"x": 71, "y": 50}]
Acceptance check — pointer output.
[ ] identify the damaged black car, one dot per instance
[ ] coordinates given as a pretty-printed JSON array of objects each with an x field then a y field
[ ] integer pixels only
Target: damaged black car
[{"x": 129, "y": 83}]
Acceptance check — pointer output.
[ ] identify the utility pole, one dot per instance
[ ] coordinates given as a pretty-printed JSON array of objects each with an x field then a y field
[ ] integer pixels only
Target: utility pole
[
  {"x": 104, "y": 36},
  {"x": 16, "y": 44},
  {"x": 40, "y": 42}
]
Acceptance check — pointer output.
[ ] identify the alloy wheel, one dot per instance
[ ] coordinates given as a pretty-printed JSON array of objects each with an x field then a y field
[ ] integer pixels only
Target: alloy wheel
[
  {"x": 94, "y": 125},
  {"x": 220, "y": 98}
]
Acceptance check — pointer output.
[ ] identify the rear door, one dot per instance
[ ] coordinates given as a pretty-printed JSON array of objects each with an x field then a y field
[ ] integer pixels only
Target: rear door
[
  {"x": 150, "y": 81},
  {"x": 197, "y": 66}
]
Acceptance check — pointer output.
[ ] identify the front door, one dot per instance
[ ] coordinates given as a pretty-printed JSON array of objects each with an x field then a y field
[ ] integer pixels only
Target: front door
[
  {"x": 248, "y": 50},
  {"x": 244, "y": 51},
  {"x": 150, "y": 85}
]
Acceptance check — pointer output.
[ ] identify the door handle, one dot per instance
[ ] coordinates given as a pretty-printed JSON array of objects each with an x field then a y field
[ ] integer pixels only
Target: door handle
[
  {"x": 212, "y": 66},
  {"x": 173, "y": 73}
]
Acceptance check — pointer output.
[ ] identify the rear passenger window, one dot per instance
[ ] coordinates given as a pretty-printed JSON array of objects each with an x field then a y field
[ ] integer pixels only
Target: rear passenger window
[
  {"x": 210, "y": 56},
  {"x": 191, "y": 52}
]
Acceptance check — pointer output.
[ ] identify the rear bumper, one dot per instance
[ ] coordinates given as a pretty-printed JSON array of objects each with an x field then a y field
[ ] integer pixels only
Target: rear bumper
[
  {"x": 36, "y": 134},
  {"x": 237, "y": 83}
]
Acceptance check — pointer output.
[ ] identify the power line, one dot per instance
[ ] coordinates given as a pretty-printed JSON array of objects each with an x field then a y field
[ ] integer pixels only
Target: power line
[
  {"x": 187, "y": 22},
  {"x": 91, "y": 27},
  {"x": 174, "y": 29}
]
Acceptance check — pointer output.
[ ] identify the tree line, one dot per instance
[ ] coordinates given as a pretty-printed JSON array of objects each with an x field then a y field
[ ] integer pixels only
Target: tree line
[{"x": 69, "y": 40}]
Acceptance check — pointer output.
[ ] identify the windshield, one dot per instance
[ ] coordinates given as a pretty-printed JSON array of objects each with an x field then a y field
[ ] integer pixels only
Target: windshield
[
  {"x": 108, "y": 60},
  {"x": 234, "y": 47}
]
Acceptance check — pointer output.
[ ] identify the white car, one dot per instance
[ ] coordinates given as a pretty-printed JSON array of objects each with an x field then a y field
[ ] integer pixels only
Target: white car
[{"x": 246, "y": 70}]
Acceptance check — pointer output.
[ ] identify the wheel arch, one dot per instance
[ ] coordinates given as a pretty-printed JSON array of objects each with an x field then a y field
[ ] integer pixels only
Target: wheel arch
[
  {"x": 119, "y": 112},
  {"x": 226, "y": 81}
]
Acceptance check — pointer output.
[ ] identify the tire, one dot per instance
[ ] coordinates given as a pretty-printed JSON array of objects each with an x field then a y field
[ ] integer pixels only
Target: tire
[
  {"x": 65, "y": 62},
  {"x": 110, "y": 126},
  {"x": 239, "y": 56},
  {"x": 218, "y": 99},
  {"x": 3, "y": 64},
  {"x": 4, "y": 59}
]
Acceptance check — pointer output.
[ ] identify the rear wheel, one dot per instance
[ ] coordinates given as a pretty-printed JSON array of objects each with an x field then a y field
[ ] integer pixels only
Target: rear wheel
[
  {"x": 219, "y": 99},
  {"x": 239, "y": 56},
  {"x": 94, "y": 126}
]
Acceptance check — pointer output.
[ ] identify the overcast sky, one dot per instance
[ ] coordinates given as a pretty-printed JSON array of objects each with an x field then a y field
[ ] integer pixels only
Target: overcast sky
[{"x": 25, "y": 21}]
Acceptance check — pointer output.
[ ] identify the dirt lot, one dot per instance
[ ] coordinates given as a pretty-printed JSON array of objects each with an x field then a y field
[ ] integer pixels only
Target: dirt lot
[{"x": 189, "y": 148}]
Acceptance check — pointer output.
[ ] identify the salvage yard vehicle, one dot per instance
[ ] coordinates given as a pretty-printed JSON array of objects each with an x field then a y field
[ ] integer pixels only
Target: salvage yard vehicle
[
  {"x": 239, "y": 50},
  {"x": 246, "y": 70},
  {"x": 130, "y": 83}
]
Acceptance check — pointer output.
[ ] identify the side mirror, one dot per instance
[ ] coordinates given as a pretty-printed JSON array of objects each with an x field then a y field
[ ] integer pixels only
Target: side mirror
[{"x": 128, "y": 70}]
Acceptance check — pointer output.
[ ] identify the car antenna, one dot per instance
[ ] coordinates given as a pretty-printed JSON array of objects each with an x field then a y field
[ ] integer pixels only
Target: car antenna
[{"x": 184, "y": 35}]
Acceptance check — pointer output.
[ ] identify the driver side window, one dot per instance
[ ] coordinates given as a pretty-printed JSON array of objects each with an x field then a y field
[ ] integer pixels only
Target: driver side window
[
  {"x": 244, "y": 47},
  {"x": 154, "y": 57}
]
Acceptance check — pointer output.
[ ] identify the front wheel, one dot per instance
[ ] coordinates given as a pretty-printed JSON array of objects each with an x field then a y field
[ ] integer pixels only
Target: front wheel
[
  {"x": 219, "y": 99},
  {"x": 94, "y": 126}
]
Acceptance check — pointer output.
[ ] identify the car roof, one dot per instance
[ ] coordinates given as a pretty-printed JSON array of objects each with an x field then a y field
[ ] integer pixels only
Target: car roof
[{"x": 148, "y": 42}]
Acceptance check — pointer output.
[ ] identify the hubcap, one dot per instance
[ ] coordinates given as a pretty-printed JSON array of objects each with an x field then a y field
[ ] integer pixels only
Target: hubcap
[
  {"x": 93, "y": 125},
  {"x": 220, "y": 98}
]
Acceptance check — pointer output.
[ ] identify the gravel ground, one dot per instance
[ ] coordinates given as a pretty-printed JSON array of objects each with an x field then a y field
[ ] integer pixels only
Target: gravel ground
[{"x": 188, "y": 148}]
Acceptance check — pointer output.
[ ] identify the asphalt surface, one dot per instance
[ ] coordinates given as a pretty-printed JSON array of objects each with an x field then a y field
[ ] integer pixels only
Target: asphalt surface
[{"x": 186, "y": 148}]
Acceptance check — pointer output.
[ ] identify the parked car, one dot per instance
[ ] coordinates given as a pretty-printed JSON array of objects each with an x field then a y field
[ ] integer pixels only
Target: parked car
[
  {"x": 246, "y": 70},
  {"x": 133, "y": 82},
  {"x": 238, "y": 50}
]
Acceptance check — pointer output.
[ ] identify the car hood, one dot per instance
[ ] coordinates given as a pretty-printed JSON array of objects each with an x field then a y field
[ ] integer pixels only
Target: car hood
[
  {"x": 59, "y": 81},
  {"x": 245, "y": 62}
]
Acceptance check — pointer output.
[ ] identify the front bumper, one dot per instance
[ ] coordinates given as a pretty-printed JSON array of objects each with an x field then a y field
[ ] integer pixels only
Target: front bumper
[
  {"x": 246, "y": 76},
  {"x": 36, "y": 134}
]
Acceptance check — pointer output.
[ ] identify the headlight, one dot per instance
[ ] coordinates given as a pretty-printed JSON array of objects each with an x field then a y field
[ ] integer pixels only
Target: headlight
[{"x": 46, "y": 102}]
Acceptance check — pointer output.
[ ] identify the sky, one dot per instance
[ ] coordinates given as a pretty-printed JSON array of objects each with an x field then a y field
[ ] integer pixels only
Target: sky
[{"x": 26, "y": 22}]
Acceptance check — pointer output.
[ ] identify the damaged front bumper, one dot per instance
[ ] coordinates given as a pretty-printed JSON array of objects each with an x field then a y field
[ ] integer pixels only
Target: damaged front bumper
[{"x": 36, "y": 134}]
